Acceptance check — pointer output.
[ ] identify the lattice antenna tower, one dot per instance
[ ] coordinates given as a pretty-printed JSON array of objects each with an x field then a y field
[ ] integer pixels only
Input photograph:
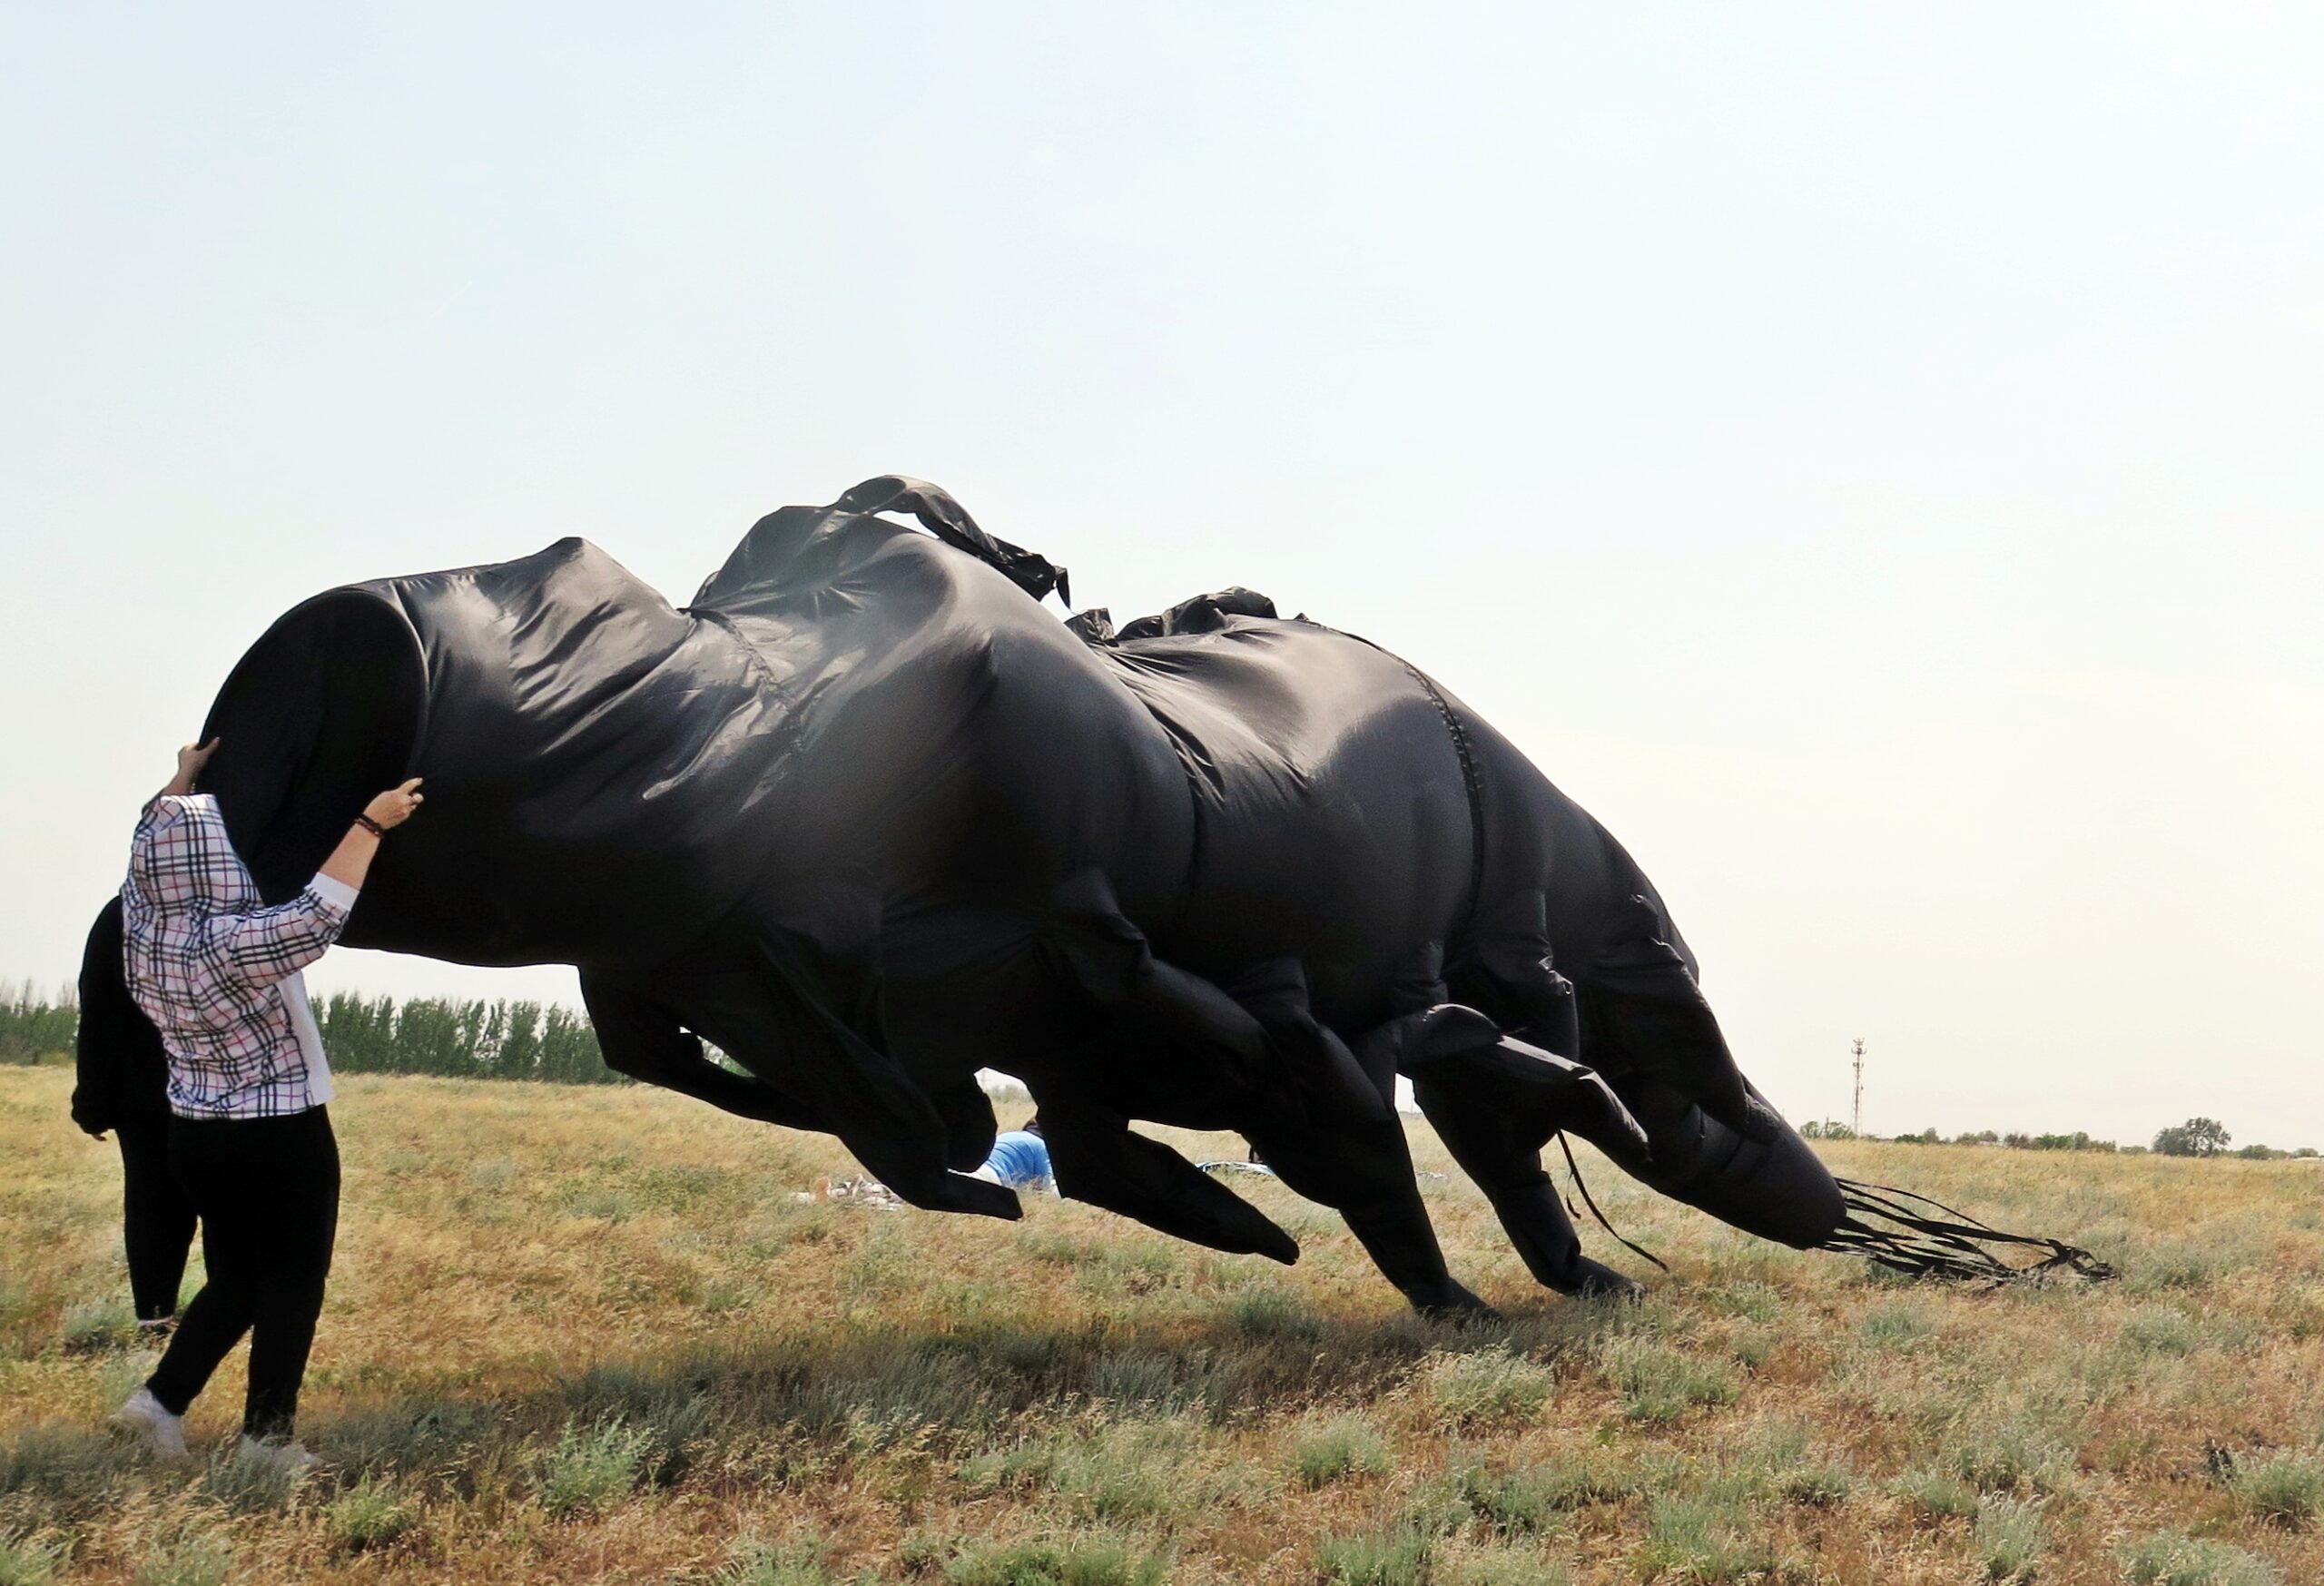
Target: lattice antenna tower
[{"x": 1856, "y": 1120}]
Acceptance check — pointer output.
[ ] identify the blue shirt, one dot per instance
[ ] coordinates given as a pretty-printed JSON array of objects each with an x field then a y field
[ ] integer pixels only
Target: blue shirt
[{"x": 1020, "y": 1160}]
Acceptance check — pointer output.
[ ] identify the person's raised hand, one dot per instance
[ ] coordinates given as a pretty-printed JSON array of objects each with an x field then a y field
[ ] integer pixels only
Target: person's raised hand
[
  {"x": 192, "y": 758},
  {"x": 394, "y": 807}
]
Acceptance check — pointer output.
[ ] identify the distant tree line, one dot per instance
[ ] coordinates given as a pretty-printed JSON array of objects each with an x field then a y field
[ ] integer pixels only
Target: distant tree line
[
  {"x": 452, "y": 1038},
  {"x": 2198, "y": 1137},
  {"x": 462, "y": 1038}
]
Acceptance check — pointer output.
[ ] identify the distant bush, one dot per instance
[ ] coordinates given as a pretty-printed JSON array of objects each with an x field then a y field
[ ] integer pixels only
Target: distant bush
[
  {"x": 2198, "y": 1137},
  {"x": 32, "y": 1026}
]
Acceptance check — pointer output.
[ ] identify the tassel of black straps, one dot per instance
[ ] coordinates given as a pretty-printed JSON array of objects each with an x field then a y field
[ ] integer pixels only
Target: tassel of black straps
[
  {"x": 1884, "y": 1227},
  {"x": 1887, "y": 1228}
]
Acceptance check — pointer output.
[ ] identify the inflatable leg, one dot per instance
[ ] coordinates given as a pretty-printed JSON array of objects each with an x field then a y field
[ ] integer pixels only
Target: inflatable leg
[
  {"x": 643, "y": 1039},
  {"x": 759, "y": 1009},
  {"x": 1098, "y": 1158},
  {"x": 1330, "y": 1134},
  {"x": 1494, "y": 1102},
  {"x": 1507, "y": 1166}
]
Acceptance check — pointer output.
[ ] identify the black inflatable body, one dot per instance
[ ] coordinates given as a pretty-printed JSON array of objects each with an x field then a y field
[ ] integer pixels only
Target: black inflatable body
[{"x": 870, "y": 819}]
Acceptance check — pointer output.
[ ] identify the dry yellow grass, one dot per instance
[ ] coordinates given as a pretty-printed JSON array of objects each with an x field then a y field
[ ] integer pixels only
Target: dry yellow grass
[{"x": 584, "y": 1335}]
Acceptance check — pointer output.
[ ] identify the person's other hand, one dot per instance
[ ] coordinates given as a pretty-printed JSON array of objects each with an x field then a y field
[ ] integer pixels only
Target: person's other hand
[{"x": 394, "y": 807}]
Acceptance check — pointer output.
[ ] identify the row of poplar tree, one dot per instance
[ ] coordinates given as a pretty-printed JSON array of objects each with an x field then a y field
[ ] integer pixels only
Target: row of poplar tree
[{"x": 468, "y": 1038}]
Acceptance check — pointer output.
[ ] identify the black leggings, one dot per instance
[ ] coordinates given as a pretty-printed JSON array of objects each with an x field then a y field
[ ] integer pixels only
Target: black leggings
[
  {"x": 268, "y": 1192},
  {"x": 156, "y": 1215}
]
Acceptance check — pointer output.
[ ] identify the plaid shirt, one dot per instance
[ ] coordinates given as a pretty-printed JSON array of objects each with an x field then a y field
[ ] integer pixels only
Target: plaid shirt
[{"x": 206, "y": 960}]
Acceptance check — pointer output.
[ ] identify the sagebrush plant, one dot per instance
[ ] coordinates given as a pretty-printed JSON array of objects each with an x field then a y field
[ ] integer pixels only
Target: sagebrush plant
[
  {"x": 2286, "y": 1488},
  {"x": 2010, "y": 1534},
  {"x": 1489, "y": 1387},
  {"x": 196, "y": 1558},
  {"x": 2171, "y": 1559},
  {"x": 512, "y": 1387},
  {"x": 1375, "y": 1559},
  {"x": 593, "y": 1464},
  {"x": 371, "y": 1514},
  {"x": 26, "y": 1559},
  {"x": 1342, "y": 1448}
]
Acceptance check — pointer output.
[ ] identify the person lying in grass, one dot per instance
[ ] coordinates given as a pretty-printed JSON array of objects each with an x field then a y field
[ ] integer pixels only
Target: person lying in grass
[{"x": 218, "y": 972}]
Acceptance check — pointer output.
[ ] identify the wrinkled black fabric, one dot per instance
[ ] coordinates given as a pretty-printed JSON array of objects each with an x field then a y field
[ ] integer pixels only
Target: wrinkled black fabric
[
  {"x": 120, "y": 1069},
  {"x": 868, "y": 817}
]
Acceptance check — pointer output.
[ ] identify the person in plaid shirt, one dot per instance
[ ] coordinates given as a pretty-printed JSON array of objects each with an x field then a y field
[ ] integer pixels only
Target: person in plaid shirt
[{"x": 218, "y": 972}]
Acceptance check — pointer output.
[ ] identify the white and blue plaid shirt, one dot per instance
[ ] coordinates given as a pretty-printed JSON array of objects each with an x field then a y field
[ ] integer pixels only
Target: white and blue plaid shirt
[{"x": 217, "y": 970}]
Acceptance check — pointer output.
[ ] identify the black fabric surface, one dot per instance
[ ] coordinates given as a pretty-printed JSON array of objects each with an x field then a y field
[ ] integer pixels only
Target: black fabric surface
[
  {"x": 868, "y": 818},
  {"x": 120, "y": 1069}
]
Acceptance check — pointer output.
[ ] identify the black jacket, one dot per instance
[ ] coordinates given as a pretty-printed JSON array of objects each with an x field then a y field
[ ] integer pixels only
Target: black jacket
[{"x": 118, "y": 1059}]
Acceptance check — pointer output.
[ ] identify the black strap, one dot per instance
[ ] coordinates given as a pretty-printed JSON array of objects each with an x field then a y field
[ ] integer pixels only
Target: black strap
[{"x": 1575, "y": 1169}]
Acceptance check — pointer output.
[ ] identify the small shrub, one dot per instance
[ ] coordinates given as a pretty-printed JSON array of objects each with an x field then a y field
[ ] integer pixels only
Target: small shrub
[
  {"x": 1134, "y": 1269},
  {"x": 1135, "y": 1376},
  {"x": 1750, "y": 1299},
  {"x": 2169, "y": 1558},
  {"x": 2010, "y": 1535},
  {"x": 2159, "y": 1330},
  {"x": 931, "y": 1385},
  {"x": 664, "y": 1404},
  {"x": 407, "y": 1440},
  {"x": 593, "y": 1465},
  {"x": 2166, "y": 1267},
  {"x": 1527, "y": 1501},
  {"x": 1339, "y": 1449},
  {"x": 1658, "y": 1383},
  {"x": 90, "y": 1325},
  {"x": 1818, "y": 1484},
  {"x": 1379, "y": 1558},
  {"x": 2287, "y": 1490},
  {"x": 248, "y": 1486},
  {"x": 761, "y": 1563},
  {"x": 1495, "y": 1564},
  {"x": 1058, "y": 1249},
  {"x": 2012, "y": 1458},
  {"x": 1492, "y": 1387},
  {"x": 1275, "y": 1313},
  {"x": 1895, "y": 1327},
  {"x": 1087, "y": 1563},
  {"x": 1939, "y": 1495},
  {"x": 1697, "y": 1540},
  {"x": 28, "y": 1560},
  {"x": 75, "y": 1469},
  {"x": 197, "y": 1559},
  {"x": 369, "y": 1514}
]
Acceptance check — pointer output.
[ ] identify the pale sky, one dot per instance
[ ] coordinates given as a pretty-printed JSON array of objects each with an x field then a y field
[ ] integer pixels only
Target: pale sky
[{"x": 1871, "y": 456}]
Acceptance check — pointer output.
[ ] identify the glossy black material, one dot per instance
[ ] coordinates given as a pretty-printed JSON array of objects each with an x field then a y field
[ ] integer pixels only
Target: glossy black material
[{"x": 869, "y": 819}]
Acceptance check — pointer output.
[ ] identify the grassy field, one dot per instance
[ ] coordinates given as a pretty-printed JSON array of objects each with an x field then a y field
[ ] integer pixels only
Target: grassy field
[{"x": 587, "y": 1335}]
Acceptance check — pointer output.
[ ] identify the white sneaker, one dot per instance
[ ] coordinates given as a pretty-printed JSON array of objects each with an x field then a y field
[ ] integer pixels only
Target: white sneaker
[
  {"x": 283, "y": 1453},
  {"x": 164, "y": 1432}
]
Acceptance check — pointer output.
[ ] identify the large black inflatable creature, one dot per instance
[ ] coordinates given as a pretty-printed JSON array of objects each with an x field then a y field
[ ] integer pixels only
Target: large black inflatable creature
[{"x": 868, "y": 817}]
